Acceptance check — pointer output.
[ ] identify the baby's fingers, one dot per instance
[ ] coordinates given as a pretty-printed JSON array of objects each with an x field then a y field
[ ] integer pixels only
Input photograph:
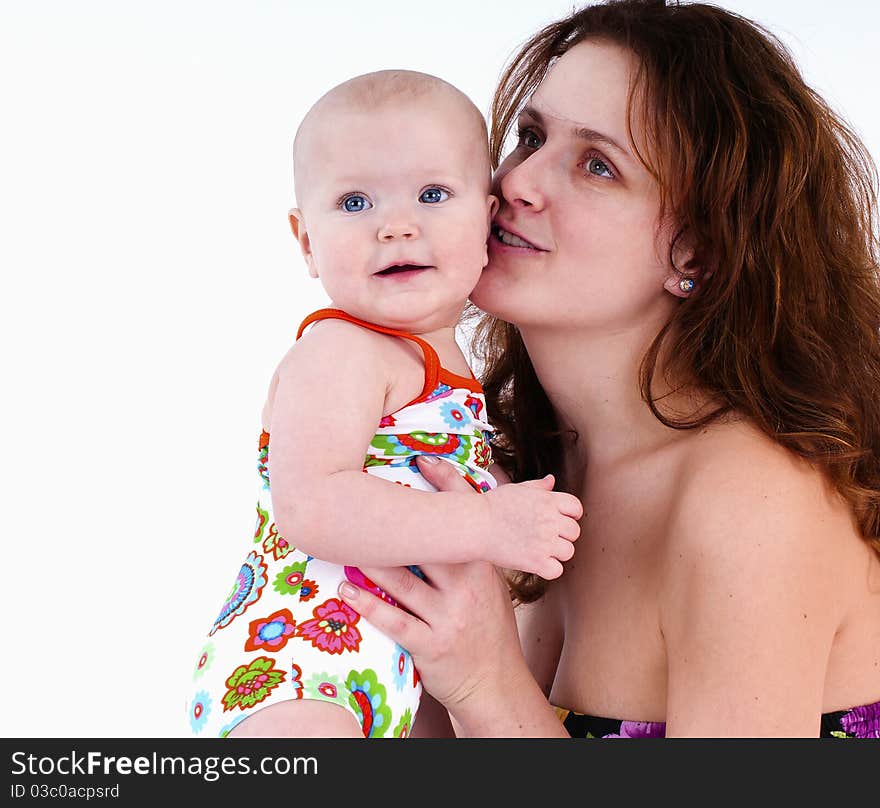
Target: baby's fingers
[
  {"x": 546, "y": 482},
  {"x": 550, "y": 569},
  {"x": 569, "y": 528},
  {"x": 569, "y": 505},
  {"x": 564, "y": 550}
]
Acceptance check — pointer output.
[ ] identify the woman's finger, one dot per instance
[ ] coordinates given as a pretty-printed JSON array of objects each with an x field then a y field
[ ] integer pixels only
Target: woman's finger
[
  {"x": 441, "y": 474},
  {"x": 409, "y": 590},
  {"x": 405, "y": 629},
  {"x": 439, "y": 574}
]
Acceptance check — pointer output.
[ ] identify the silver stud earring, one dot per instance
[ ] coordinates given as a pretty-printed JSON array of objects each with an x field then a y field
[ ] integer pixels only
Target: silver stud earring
[{"x": 686, "y": 284}]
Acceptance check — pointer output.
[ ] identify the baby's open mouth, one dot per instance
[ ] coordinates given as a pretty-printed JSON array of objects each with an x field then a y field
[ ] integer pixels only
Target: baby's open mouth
[{"x": 396, "y": 268}]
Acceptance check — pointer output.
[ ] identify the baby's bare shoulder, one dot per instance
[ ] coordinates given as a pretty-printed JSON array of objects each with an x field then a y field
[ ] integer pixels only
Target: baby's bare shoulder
[
  {"x": 334, "y": 335},
  {"x": 335, "y": 346},
  {"x": 333, "y": 354}
]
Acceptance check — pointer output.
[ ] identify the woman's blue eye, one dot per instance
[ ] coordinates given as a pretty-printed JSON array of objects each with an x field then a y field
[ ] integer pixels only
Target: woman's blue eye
[
  {"x": 601, "y": 165},
  {"x": 432, "y": 195},
  {"x": 356, "y": 203}
]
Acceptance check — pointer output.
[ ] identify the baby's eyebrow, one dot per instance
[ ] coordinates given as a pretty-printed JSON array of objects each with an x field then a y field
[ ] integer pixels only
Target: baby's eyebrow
[{"x": 580, "y": 132}]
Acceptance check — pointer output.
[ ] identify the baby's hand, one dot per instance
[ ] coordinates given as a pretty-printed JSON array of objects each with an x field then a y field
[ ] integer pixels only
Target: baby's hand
[{"x": 533, "y": 527}]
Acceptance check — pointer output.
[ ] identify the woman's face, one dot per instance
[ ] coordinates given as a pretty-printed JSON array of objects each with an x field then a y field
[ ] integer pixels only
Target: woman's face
[{"x": 576, "y": 241}]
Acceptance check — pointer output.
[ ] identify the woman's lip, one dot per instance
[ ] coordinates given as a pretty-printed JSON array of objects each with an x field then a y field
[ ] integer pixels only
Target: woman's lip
[
  {"x": 513, "y": 232},
  {"x": 497, "y": 244}
]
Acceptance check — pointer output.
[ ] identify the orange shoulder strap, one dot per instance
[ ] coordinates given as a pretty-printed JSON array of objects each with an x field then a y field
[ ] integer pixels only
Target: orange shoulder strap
[{"x": 432, "y": 361}]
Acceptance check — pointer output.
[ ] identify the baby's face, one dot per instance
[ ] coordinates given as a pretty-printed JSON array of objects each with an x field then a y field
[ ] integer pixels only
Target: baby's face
[{"x": 395, "y": 211}]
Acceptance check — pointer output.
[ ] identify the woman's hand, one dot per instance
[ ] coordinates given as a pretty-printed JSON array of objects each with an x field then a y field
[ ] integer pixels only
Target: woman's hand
[{"x": 458, "y": 624}]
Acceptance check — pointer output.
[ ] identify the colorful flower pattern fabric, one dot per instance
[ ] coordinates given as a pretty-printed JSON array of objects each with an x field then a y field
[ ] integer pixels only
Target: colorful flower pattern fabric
[{"x": 282, "y": 634}]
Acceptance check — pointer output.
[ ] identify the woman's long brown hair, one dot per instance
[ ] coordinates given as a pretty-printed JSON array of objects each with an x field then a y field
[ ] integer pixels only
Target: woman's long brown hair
[{"x": 778, "y": 195}]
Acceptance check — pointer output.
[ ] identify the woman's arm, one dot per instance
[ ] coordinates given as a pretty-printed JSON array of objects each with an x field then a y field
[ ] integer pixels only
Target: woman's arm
[
  {"x": 459, "y": 627},
  {"x": 750, "y": 603},
  {"x": 432, "y": 719}
]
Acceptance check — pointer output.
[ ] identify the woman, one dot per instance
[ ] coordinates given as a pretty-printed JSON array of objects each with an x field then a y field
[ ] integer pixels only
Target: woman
[{"x": 684, "y": 307}]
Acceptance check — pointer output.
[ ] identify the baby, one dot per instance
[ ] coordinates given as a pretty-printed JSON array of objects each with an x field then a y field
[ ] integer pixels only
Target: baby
[{"x": 392, "y": 183}]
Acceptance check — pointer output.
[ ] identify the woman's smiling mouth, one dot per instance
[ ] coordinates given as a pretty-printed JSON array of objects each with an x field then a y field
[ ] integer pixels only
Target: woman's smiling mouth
[{"x": 509, "y": 239}]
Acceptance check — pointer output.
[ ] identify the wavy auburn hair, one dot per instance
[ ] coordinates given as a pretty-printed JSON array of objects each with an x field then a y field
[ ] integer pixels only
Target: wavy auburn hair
[{"x": 778, "y": 195}]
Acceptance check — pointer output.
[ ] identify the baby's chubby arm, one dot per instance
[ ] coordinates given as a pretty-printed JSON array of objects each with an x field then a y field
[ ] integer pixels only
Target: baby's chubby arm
[{"x": 329, "y": 398}]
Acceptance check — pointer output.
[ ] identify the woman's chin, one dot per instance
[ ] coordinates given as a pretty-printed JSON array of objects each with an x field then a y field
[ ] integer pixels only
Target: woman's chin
[
  {"x": 484, "y": 294},
  {"x": 493, "y": 296}
]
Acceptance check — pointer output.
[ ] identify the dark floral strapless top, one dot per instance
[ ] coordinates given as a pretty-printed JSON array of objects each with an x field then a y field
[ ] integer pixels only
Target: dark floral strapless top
[{"x": 858, "y": 722}]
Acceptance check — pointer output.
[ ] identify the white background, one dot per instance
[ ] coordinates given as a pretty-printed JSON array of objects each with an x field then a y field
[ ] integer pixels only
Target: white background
[{"x": 150, "y": 285}]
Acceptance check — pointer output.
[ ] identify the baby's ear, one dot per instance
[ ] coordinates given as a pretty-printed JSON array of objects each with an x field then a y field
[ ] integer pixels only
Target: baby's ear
[
  {"x": 493, "y": 206},
  {"x": 301, "y": 234}
]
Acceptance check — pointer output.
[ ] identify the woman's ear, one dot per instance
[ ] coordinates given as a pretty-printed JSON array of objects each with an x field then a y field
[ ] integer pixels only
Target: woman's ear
[
  {"x": 687, "y": 269},
  {"x": 680, "y": 285},
  {"x": 301, "y": 234}
]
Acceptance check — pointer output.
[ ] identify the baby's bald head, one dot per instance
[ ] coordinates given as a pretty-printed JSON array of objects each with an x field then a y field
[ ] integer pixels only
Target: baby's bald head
[{"x": 372, "y": 93}]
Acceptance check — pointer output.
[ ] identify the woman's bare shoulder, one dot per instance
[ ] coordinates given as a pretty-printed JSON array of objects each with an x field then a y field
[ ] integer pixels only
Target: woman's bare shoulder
[
  {"x": 737, "y": 459},
  {"x": 742, "y": 495},
  {"x": 756, "y": 577}
]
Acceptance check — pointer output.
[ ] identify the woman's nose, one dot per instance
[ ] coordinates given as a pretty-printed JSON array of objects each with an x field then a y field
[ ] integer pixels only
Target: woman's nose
[
  {"x": 520, "y": 184},
  {"x": 399, "y": 229}
]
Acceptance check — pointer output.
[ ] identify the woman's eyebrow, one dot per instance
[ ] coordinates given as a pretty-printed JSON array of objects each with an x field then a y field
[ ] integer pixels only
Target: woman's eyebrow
[{"x": 580, "y": 132}]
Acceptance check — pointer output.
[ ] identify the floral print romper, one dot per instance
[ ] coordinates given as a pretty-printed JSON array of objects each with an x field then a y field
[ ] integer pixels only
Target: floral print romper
[{"x": 282, "y": 633}]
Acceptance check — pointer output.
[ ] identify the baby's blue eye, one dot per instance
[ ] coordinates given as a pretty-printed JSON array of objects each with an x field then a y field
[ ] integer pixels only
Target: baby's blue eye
[
  {"x": 433, "y": 195},
  {"x": 356, "y": 203}
]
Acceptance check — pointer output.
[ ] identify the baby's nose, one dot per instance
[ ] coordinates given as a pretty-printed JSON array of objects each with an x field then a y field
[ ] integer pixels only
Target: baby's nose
[{"x": 398, "y": 230}]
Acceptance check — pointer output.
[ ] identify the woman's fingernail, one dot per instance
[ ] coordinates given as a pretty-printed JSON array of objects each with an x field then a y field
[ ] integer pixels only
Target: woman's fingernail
[
  {"x": 429, "y": 459},
  {"x": 347, "y": 591}
]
